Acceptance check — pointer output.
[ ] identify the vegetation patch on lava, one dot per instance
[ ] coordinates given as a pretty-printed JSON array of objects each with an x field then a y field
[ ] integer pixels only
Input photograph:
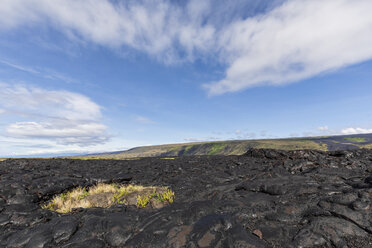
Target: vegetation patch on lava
[{"x": 106, "y": 195}]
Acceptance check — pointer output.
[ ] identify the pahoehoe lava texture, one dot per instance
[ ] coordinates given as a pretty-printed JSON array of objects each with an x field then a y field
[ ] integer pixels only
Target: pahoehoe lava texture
[{"x": 265, "y": 198}]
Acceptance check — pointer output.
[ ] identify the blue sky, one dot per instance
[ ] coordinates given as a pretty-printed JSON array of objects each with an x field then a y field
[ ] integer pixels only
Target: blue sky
[{"x": 96, "y": 75}]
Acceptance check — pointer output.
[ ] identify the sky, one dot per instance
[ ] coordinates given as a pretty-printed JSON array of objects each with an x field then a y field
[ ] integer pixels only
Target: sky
[{"x": 88, "y": 76}]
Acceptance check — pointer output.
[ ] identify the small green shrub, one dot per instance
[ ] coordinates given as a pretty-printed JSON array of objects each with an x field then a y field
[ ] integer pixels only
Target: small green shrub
[
  {"x": 166, "y": 196},
  {"x": 143, "y": 201}
]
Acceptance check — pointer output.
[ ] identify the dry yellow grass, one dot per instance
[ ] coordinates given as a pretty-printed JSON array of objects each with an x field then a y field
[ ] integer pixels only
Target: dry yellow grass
[
  {"x": 3, "y": 159},
  {"x": 369, "y": 146},
  {"x": 106, "y": 195}
]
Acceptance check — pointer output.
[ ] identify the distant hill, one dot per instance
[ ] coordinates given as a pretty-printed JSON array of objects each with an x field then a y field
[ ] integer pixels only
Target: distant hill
[{"x": 237, "y": 147}]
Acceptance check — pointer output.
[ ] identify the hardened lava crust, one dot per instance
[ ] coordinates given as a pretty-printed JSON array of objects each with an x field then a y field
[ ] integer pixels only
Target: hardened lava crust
[{"x": 264, "y": 198}]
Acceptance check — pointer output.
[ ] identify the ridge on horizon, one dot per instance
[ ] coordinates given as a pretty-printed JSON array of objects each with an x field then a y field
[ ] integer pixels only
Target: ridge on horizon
[{"x": 238, "y": 147}]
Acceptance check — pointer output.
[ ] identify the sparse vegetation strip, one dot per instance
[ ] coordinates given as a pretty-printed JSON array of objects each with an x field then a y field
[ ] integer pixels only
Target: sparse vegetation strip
[{"x": 356, "y": 140}]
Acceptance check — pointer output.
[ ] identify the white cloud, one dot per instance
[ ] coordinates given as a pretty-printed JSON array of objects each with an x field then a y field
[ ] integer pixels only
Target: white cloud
[
  {"x": 294, "y": 41},
  {"x": 62, "y": 132},
  {"x": 62, "y": 116},
  {"x": 193, "y": 139},
  {"x": 63, "y": 105},
  {"x": 298, "y": 40},
  {"x": 59, "y": 150},
  {"x": 144, "y": 120},
  {"x": 323, "y": 128},
  {"x": 237, "y": 134},
  {"x": 2, "y": 111},
  {"x": 355, "y": 130},
  {"x": 10, "y": 147},
  {"x": 155, "y": 27}
]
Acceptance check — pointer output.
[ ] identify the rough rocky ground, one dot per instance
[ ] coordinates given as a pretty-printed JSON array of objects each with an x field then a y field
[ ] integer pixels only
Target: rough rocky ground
[{"x": 264, "y": 198}]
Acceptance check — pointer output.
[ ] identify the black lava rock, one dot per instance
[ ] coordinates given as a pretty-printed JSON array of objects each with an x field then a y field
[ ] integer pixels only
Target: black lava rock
[{"x": 264, "y": 198}]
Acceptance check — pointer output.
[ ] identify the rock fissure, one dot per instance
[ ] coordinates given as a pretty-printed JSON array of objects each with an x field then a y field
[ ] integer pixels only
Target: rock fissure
[{"x": 351, "y": 221}]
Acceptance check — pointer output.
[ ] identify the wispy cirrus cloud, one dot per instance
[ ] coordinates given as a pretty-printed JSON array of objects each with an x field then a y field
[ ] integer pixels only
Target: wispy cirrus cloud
[
  {"x": 42, "y": 72},
  {"x": 60, "y": 116},
  {"x": 238, "y": 134},
  {"x": 155, "y": 27},
  {"x": 281, "y": 44},
  {"x": 143, "y": 120},
  {"x": 19, "y": 67},
  {"x": 323, "y": 128}
]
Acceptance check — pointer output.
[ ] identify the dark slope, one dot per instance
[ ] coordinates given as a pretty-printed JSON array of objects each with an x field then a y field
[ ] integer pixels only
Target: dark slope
[
  {"x": 346, "y": 142},
  {"x": 265, "y": 198}
]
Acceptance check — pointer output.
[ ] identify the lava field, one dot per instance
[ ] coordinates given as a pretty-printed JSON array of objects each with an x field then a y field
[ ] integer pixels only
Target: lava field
[{"x": 264, "y": 198}]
